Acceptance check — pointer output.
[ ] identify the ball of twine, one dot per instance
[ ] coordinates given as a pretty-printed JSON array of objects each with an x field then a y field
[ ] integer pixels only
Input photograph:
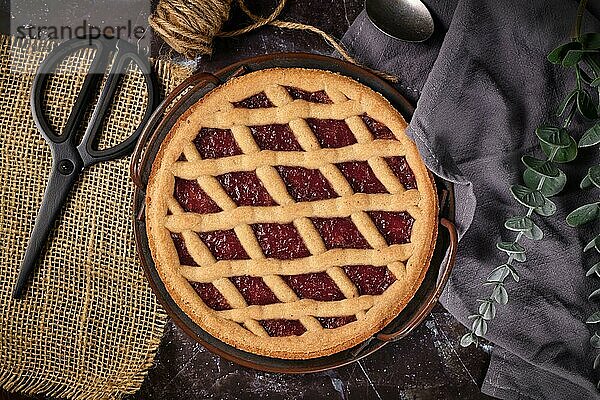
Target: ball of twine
[{"x": 190, "y": 26}]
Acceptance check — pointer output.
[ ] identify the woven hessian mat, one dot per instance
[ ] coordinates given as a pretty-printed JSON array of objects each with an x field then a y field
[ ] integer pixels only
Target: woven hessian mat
[{"x": 89, "y": 325}]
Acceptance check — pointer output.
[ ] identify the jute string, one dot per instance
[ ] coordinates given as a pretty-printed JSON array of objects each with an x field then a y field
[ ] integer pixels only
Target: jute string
[{"x": 190, "y": 26}]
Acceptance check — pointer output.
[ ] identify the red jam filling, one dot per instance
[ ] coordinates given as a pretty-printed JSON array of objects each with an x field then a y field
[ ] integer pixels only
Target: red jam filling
[
  {"x": 370, "y": 279},
  {"x": 245, "y": 189},
  {"x": 361, "y": 177},
  {"x": 276, "y": 137},
  {"x": 335, "y": 322},
  {"x": 211, "y": 296},
  {"x": 313, "y": 97},
  {"x": 378, "y": 130},
  {"x": 331, "y": 133},
  {"x": 283, "y": 327},
  {"x": 316, "y": 286},
  {"x": 184, "y": 255},
  {"x": 224, "y": 245},
  {"x": 280, "y": 241},
  {"x": 340, "y": 233},
  {"x": 306, "y": 184},
  {"x": 394, "y": 226},
  {"x": 216, "y": 143},
  {"x": 254, "y": 290},
  {"x": 259, "y": 100},
  {"x": 402, "y": 170},
  {"x": 192, "y": 198}
]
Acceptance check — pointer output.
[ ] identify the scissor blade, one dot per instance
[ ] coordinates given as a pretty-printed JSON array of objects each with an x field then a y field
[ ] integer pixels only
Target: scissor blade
[{"x": 59, "y": 186}]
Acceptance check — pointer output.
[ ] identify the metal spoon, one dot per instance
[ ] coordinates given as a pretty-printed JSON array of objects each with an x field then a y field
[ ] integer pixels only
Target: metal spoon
[{"x": 407, "y": 20}]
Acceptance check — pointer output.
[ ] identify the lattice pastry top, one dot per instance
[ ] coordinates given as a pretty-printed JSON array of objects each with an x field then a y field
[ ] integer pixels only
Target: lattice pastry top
[{"x": 289, "y": 215}]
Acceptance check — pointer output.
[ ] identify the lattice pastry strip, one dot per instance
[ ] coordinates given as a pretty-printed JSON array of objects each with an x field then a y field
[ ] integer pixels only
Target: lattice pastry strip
[{"x": 312, "y": 264}]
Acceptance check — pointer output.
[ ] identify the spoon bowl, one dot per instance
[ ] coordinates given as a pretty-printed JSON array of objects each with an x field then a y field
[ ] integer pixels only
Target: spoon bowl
[{"x": 407, "y": 20}]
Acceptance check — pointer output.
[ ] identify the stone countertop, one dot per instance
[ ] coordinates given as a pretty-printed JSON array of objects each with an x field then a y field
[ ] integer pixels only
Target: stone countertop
[{"x": 428, "y": 364}]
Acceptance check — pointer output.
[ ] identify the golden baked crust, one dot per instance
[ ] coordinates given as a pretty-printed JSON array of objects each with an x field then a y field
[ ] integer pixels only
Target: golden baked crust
[{"x": 239, "y": 326}]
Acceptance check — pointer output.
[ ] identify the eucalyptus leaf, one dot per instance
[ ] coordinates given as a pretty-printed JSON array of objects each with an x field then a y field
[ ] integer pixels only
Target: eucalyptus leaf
[
  {"x": 591, "y": 137},
  {"x": 597, "y": 362},
  {"x": 520, "y": 257},
  {"x": 595, "y": 83},
  {"x": 479, "y": 326},
  {"x": 510, "y": 247},
  {"x": 586, "y": 182},
  {"x": 564, "y": 154},
  {"x": 547, "y": 210},
  {"x": 499, "y": 294},
  {"x": 594, "y": 243},
  {"x": 586, "y": 78},
  {"x": 556, "y": 56},
  {"x": 550, "y": 187},
  {"x": 594, "y": 270},
  {"x": 595, "y": 341},
  {"x": 572, "y": 57},
  {"x": 594, "y": 295},
  {"x": 585, "y": 105},
  {"x": 584, "y": 214},
  {"x": 594, "y": 318},
  {"x": 542, "y": 167},
  {"x": 528, "y": 197},
  {"x": 594, "y": 175},
  {"x": 513, "y": 273},
  {"x": 590, "y": 41},
  {"x": 566, "y": 102},
  {"x": 535, "y": 233},
  {"x": 553, "y": 136},
  {"x": 519, "y": 224},
  {"x": 487, "y": 310},
  {"x": 467, "y": 340},
  {"x": 592, "y": 63},
  {"x": 499, "y": 274},
  {"x": 490, "y": 283}
]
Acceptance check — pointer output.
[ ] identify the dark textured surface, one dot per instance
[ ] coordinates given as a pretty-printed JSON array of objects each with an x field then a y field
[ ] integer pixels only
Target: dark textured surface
[{"x": 428, "y": 364}]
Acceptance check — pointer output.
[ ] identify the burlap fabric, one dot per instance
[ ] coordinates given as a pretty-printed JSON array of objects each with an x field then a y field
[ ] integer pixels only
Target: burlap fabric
[{"x": 89, "y": 325}]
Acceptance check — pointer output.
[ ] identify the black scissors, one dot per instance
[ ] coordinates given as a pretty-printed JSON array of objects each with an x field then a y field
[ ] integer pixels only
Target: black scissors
[{"x": 71, "y": 155}]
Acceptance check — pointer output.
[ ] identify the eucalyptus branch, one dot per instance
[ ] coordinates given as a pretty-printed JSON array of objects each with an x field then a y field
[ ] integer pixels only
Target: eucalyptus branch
[
  {"x": 543, "y": 178},
  {"x": 588, "y": 213}
]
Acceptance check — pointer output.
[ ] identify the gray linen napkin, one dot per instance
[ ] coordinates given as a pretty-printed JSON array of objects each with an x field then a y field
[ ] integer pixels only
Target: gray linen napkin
[{"x": 483, "y": 85}]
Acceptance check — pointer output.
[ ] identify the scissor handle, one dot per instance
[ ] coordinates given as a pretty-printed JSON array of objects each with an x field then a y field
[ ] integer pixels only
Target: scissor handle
[
  {"x": 48, "y": 67},
  {"x": 91, "y": 155},
  {"x": 121, "y": 52}
]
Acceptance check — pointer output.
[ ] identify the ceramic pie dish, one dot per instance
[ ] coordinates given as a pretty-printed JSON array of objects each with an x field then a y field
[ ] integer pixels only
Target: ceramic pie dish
[{"x": 286, "y": 214}]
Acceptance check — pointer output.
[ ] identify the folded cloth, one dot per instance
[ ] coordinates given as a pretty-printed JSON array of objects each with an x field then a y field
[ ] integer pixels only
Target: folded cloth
[{"x": 483, "y": 85}]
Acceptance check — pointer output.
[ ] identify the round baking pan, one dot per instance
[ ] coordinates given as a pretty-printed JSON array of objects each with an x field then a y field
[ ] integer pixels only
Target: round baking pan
[{"x": 188, "y": 93}]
